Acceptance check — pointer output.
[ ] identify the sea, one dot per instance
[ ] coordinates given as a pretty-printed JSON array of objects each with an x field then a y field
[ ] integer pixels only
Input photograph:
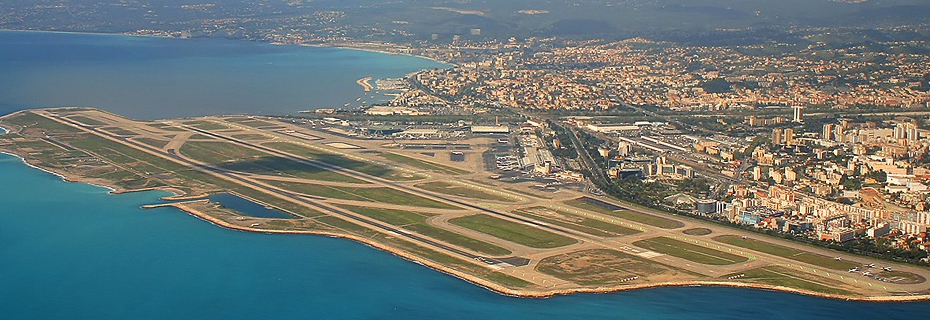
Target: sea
[
  {"x": 155, "y": 78},
  {"x": 74, "y": 251}
]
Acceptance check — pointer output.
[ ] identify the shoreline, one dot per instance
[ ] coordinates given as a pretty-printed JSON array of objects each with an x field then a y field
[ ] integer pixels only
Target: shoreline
[
  {"x": 481, "y": 282},
  {"x": 87, "y": 33},
  {"x": 364, "y": 83},
  {"x": 347, "y": 46},
  {"x": 110, "y": 190},
  {"x": 498, "y": 289},
  {"x": 370, "y": 49},
  {"x": 64, "y": 178},
  {"x": 438, "y": 267},
  {"x": 373, "y": 48}
]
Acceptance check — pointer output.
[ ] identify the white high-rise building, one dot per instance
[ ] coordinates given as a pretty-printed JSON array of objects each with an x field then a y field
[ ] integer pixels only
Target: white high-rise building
[
  {"x": 827, "y": 132},
  {"x": 907, "y": 131},
  {"x": 911, "y": 133},
  {"x": 797, "y": 113}
]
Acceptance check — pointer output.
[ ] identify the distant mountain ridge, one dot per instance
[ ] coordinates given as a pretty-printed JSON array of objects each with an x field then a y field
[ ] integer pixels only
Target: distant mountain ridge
[{"x": 470, "y": 19}]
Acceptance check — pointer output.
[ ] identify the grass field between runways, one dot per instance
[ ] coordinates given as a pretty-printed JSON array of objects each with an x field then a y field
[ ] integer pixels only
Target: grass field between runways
[
  {"x": 575, "y": 222},
  {"x": 422, "y": 164},
  {"x": 689, "y": 251},
  {"x": 790, "y": 253},
  {"x": 597, "y": 267},
  {"x": 606, "y": 208},
  {"x": 416, "y": 222},
  {"x": 462, "y": 191},
  {"x": 376, "y": 194},
  {"x": 512, "y": 231},
  {"x": 344, "y": 162},
  {"x": 782, "y": 276}
]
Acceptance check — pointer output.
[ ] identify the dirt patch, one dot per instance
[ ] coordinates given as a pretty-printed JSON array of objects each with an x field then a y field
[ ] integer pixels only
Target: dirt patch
[{"x": 607, "y": 267}]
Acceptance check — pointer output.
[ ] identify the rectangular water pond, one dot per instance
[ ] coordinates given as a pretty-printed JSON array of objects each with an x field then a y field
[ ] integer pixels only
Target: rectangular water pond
[{"x": 247, "y": 207}]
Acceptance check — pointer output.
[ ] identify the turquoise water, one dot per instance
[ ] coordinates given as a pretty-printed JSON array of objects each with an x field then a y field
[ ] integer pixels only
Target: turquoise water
[
  {"x": 152, "y": 78},
  {"x": 246, "y": 207},
  {"x": 72, "y": 251}
]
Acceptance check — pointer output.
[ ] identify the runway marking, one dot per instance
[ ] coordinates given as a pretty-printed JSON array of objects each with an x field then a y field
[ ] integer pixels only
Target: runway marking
[{"x": 650, "y": 254}]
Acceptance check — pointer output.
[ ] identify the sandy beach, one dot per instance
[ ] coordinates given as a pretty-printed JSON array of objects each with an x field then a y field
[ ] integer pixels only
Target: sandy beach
[{"x": 364, "y": 83}]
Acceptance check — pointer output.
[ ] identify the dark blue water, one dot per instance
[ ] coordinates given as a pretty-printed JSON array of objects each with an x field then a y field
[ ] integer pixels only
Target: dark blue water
[
  {"x": 246, "y": 207},
  {"x": 154, "y": 78},
  {"x": 84, "y": 254}
]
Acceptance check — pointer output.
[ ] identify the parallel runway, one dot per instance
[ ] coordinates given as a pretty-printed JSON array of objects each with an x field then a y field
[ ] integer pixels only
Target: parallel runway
[{"x": 298, "y": 198}]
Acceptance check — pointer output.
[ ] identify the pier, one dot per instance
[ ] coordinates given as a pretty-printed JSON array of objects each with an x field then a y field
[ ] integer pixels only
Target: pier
[{"x": 172, "y": 204}]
